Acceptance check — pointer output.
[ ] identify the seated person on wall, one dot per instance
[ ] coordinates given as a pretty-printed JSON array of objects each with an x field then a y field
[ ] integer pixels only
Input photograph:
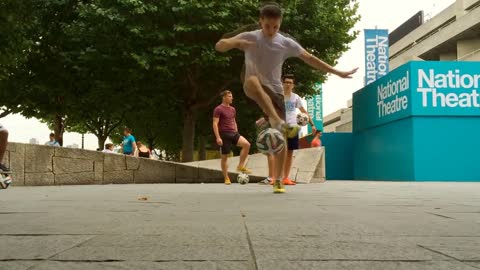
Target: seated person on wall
[
  {"x": 108, "y": 148},
  {"x": 143, "y": 151},
  {"x": 52, "y": 141}
]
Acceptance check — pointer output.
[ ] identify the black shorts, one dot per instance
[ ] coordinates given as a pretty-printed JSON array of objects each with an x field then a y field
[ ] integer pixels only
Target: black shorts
[
  {"x": 293, "y": 143},
  {"x": 229, "y": 139}
]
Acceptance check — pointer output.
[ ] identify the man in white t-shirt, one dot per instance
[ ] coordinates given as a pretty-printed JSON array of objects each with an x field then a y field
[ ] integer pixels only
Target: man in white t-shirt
[
  {"x": 265, "y": 52},
  {"x": 292, "y": 103}
]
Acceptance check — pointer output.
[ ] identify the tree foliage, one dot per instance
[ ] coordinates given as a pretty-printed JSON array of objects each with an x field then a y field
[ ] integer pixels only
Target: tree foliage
[{"x": 99, "y": 65}]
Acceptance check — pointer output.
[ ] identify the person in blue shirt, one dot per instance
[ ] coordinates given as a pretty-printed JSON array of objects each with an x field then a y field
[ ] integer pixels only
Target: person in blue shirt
[
  {"x": 128, "y": 144},
  {"x": 52, "y": 141}
]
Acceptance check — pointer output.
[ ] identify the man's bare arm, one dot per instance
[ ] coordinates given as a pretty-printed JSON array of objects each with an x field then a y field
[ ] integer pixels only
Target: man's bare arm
[
  {"x": 226, "y": 44},
  {"x": 215, "y": 127},
  {"x": 316, "y": 63}
]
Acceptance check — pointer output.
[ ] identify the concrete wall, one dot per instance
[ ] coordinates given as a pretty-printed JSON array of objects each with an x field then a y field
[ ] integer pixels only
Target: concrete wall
[
  {"x": 469, "y": 50},
  {"x": 448, "y": 56},
  {"x": 39, "y": 165},
  {"x": 446, "y": 27},
  {"x": 419, "y": 32},
  {"x": 339, "y": 121}
]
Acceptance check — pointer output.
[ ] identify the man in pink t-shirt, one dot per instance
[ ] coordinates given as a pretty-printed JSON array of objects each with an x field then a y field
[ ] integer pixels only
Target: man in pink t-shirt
[{"x": 226, "y": 134}]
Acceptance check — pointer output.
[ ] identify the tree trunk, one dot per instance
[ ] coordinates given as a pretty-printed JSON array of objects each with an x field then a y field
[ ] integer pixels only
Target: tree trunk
[
  {"x": 188, "y": 136},
  {"x": 101, "y": 141},
  {"x": 59, "y": 128},
  {"x": 202, "y": 151},
  {"x": 151, "y": 144}
]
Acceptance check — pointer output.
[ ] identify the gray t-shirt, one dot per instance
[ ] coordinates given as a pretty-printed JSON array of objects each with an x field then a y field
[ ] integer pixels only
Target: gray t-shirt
[{"x": 265, "y": 59}]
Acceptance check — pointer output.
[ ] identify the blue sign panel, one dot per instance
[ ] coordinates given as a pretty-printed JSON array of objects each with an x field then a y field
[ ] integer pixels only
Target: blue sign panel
[
  {"x": 420, "y": 122},
  {"x": 315, "y": 108},
  {"x": 446, "y": 88},
  {"x": 376, "y": 54},
  {"x": 385, "y": 100}
]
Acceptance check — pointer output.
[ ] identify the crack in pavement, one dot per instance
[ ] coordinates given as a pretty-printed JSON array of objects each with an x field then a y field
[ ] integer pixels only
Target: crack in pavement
[
  {"x": 113, "y": 260},
  {"x": 77, "y": 245},
  {"x": 49, "y": 234},
  {"x": 446, "y": 255},
  {"x": 250, "y": 245},
  {"x": 13, "y": 213},
  {"x": 438, "y": 215}
]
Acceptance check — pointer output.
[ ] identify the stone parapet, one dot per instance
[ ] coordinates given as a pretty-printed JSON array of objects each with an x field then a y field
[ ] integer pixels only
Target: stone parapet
[{"x": 40, "y": 165}]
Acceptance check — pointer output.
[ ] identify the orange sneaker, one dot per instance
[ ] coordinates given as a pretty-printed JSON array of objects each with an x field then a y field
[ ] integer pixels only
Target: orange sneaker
[{"x": 288, "y": 182}]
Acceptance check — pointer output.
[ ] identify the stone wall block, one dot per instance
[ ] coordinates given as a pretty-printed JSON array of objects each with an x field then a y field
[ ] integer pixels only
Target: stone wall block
[
  {"x": 39, "y": 179},
  {"x": 114, "y": 162},
  {"x": 38, "y": 158},
  {"x": 70, "y": 165},
  {"x": 118, "y": 177},
  {"x": 80, "y": 178},
  {"x": 153, "y": 171}
]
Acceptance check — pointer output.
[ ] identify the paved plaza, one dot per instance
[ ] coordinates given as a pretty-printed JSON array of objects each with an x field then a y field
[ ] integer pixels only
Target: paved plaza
[{"x": 334, "y": 225}]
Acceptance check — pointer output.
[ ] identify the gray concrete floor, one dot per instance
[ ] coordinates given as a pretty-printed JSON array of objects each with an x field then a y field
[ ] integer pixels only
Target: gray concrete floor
[{"x": 334, "y": 225}]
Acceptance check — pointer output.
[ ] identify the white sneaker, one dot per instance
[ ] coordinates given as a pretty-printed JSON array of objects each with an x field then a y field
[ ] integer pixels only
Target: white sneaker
[
  {"x": 5, "y": 181},
  {"x": 265, "y": 181}
]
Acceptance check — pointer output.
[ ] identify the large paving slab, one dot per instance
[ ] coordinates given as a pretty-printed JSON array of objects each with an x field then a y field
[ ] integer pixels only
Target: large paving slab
[{"x": 333, "y": 225}]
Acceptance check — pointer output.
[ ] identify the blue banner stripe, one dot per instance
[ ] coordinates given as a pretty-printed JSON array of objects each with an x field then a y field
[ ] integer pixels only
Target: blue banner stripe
[{"x": 376, "y": 54}]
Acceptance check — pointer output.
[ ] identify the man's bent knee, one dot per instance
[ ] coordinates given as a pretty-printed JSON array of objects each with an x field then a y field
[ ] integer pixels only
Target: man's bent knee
[
  {"x": 242, "y": 142},
  {"x": 245, "y": 145}
]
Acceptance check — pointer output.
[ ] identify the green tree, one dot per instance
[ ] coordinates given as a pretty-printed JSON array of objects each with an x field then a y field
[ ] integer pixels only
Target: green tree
[
  {"x": 36, "y": 75},
  {"x": 96, "y": 62},
  {"x": 322, "y": 27}
]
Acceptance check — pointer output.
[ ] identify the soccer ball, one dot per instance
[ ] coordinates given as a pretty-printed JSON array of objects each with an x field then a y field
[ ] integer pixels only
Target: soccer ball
[
  {"x": 302, "y": 119},
  {"x": 270, "y": 141},
  {"x": 243, "y": 179}
]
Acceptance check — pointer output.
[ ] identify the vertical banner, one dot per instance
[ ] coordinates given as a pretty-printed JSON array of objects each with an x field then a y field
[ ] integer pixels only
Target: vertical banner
[
  {"x": 376, "y": 54},
  {"x": 315, "y": 108}
]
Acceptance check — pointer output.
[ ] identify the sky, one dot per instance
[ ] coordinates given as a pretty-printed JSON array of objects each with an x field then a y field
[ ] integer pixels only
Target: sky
[{"x": 336, "y": 91}]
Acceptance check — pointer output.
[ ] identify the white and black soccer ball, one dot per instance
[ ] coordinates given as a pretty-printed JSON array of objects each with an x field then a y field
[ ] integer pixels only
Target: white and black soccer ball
[
  {"x": 302, "y": 119},
  {"x": 243, "y": 179},
  {"x": 270, "y": 141}
]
